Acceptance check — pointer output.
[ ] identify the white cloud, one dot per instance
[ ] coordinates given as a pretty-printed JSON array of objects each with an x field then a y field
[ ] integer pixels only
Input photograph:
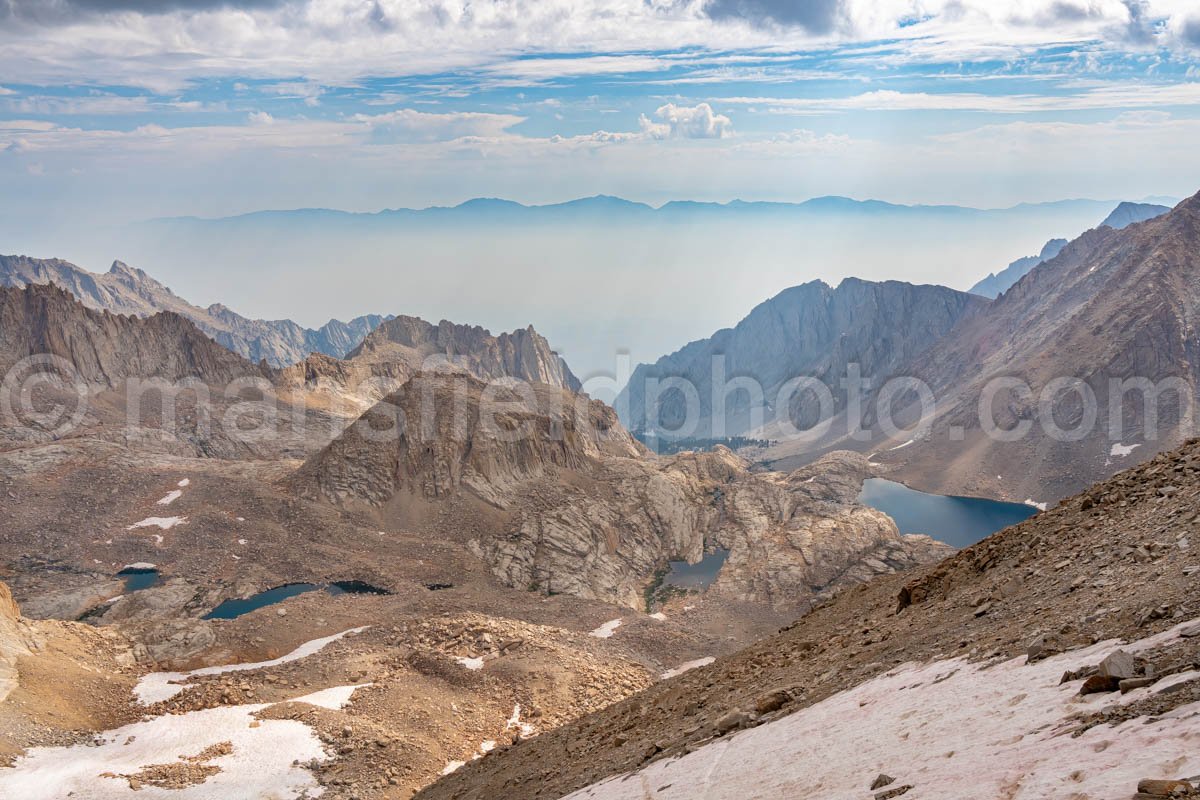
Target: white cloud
[
  {"x": 409, "y": 125},
  {"x": 1105, "y": 96},
  {"x": 307, "y": 91},
  {"x": 336, "y": 42},
  {"x": 684, "y": 122}
]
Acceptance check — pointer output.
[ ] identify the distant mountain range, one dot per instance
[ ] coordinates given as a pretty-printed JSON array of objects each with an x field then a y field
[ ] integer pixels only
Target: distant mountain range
[
  {"x": 1125, "y": 214},
  {"x": 606, "y": 206},
  {"x": 126, "y": 290}
]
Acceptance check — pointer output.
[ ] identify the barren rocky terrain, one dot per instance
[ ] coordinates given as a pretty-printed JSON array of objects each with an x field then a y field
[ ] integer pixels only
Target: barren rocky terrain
[{"x": 1118, "y": 562}]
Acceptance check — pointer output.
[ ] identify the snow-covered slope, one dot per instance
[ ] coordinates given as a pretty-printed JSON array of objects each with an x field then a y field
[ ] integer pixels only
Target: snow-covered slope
[{"x": 950, "y": 729}]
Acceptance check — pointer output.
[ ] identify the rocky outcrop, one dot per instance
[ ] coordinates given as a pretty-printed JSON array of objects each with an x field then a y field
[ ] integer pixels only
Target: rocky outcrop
[
  {"x": 14, "y": 641},
  {"x": 812, "y": 330},
  {"x": 1113, "y": 306},
  {"x": 127, "y": 290},
  {"x": 105, "y": 348},
  {"x": 405, "y": 346},
  {"x": 553, "y": 494},
  {"x": 997, "y": 283}
]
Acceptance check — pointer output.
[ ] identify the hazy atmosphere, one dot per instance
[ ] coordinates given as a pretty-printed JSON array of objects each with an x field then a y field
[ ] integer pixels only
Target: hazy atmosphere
[{"x": 599, "y": 399}]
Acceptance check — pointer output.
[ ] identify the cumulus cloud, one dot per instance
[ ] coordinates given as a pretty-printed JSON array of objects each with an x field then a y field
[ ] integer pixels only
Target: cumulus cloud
[{"x": 684, "y": 122}]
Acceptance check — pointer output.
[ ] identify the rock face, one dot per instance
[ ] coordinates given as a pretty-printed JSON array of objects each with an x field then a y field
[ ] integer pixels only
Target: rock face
[
  {"x": 127, "y": 290},
  {"x": 998, "y": 283},
  {"x": 1114, "y": 305},
  {"x": 14, "y": 641},
  {"x": 811, "y": 330},
  {"x": 106, "y": 348},
  {"x": 574, "y": 505},
  {"x": 405, "y": 346}
]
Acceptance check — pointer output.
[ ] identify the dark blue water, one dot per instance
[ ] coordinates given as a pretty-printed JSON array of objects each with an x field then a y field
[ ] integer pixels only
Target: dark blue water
[
  {"x": 232, "y": 609},
  {"x": 138, "y": 579},
  {"x": 696, "y": 576},
  {"x": 957, "y": 521}
]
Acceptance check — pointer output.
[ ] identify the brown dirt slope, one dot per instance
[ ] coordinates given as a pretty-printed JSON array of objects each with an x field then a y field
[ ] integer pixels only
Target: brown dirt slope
[{"x": 1120, "y": 560}]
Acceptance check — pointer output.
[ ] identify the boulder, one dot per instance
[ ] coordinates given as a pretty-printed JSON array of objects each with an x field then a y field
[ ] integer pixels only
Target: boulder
[{"x": 1119, "y": 666}]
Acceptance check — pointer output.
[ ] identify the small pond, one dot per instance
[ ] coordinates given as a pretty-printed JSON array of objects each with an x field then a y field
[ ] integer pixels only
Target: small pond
[
  {"x": 232, "y": 609},
  {"x": 698, "y": 576},
  {"x": 957, "y": 521},
  {"x": 138, "y": 578}
]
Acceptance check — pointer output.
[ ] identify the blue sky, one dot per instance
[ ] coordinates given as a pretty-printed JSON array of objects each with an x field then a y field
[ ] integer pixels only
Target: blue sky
[{"x": 117, "y": 110}]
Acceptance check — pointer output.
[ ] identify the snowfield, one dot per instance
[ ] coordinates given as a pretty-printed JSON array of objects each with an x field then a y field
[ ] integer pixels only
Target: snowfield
[
  {"x": 951, "y": 729},
  {"x": 260, "y": 765}
]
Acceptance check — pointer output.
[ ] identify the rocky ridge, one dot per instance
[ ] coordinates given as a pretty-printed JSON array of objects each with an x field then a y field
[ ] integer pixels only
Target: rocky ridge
[
  {"x": 997, "y": 283},
  {"x": 406, "y": 346},
  {"x": 812, "y": 330},
  {"x": 574, "y": 504},
  {"x": 128, "y": 290},
  {"x": 105, "y": 349},
  {"x": 1114, "y": 305}
]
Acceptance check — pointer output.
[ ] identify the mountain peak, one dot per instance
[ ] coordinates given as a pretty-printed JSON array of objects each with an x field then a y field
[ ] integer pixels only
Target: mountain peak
[
  {"x": 121, "y": 268},
  {"x": 1127, "y": 214}
]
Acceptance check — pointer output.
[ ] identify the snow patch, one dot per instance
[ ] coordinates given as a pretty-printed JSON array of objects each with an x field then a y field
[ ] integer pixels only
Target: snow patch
[
  {"x": 263, "y": 763},
  {"x": 1037, "y": 505},
  {"x": 470, "y": 663},
  {"x": 140, "y": 565},
  {"x": 902, "y": 446},
  {"x": 687, "y": 667},
  {"x": 183, "y": 484},
  {"x": 606, "y": 630},
  {"x": 453, "y": 766},
  {"x": 950, "y": 728},
  {"x": 163, "y": 523},
  {"x": 159, "y": 686},
  {"x": 334, "y": 698},
  {"x": 1122, "y": 450},
  {"x": 515, "y": 723},
  {"x": 171, "y": 497}
]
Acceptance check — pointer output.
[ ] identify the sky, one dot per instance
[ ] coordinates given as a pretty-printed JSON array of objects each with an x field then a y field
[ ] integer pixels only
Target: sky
[{"x": 115, "y": 111}]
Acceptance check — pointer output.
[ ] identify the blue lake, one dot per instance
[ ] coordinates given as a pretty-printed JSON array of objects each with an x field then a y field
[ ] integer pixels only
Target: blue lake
[
  {"x": 696, "y": 576},
  {"x": 232, "y": 609},
  {"x": 137, "y": 579},
  {"x": 957, "y": 521}
]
